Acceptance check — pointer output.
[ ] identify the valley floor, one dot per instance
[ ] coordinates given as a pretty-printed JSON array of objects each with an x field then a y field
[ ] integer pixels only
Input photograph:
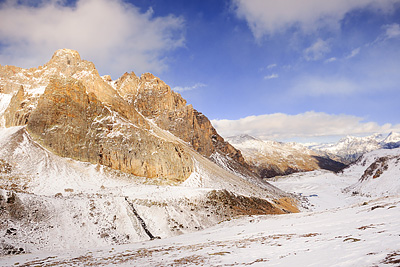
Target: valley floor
[{"x": 335, "y": 229}]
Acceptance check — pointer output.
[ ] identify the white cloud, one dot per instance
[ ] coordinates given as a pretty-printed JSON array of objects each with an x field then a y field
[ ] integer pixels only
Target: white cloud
[
  {"x": 271, "y": 16},
  {"x": 271, "y": 66},
  {"x": 332, "y": 59},
  {"x": 354, "y": 53},
  {"x": 392, "y": 30},
  {"x": 306, "y": 125},
  {"x": 319, "y": 86},
  {"x": 180, "y": 89},
  {"x": 272, "y": 76},
  {"x": 115, "y": 35},
  {"x": 317, "y": 50}
]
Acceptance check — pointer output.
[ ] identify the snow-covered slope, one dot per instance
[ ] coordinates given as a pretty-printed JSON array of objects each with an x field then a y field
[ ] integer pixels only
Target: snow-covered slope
[
  {"x": 380, "y": 173},
  {"x": 362, "y": 229},
  {"x": 339, "y": 229},
  {"x": 375, "y": 174},
  {"x": 82, "y": 205},
  {"x": 392, "y": 138}
]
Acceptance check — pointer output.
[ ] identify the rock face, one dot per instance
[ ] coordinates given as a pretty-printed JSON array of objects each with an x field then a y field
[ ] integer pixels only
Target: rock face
[
  {"x": 75, "y": 124},
  {"x": 73, "y": 111},
  {"x": 156, "y": 101}
]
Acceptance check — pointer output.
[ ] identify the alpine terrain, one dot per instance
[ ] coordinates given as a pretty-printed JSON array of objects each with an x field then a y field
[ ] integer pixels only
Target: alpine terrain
[
  {"x": 102, "y": 172},
  {"x": 86, "y": 161}
]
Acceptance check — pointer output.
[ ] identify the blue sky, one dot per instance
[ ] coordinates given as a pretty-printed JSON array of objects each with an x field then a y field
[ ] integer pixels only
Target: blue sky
[{"x": 286, "y": 70}]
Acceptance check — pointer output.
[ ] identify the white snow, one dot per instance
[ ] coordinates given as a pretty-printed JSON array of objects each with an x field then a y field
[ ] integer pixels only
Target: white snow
[
  {"x": 89, "y": 221},
  {"x": 4, "y": 102},
  {"x": 359, "y": 235},
  {"x": 392, "y": 138},
  {"x": 335, "y": 228},
  {"x": 321, "y": 189},
  {"x": 39, "y": 90}
]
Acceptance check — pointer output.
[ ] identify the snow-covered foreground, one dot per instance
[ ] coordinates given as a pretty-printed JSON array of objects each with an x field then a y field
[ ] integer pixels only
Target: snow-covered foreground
[
  {"x": 342, "y": 230},
  {"x": 366, "y": 234}
]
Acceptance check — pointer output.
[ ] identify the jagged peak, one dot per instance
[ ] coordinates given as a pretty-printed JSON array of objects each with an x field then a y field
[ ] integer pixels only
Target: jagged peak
[
  {"x": 66, "y": 53},
  {"x": 66, "y": 58},
  {"x": 127, "y": 76},
  {"x": 148, "y": 76},
  {"x": 106, "y": 78}
]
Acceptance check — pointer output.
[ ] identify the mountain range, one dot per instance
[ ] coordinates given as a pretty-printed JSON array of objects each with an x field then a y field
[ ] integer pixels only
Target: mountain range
[
  {"x": 95, "y": 162},
  {"x": 271, "y": 158},
  {"x": 350, "y": 148}
]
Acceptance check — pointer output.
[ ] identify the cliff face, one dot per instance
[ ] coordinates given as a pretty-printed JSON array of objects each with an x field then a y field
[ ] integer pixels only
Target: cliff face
[
  {"x": 75, "y": 124},
  {"x": 155, "y": 100},
  {"x": 73, "y": 111}
]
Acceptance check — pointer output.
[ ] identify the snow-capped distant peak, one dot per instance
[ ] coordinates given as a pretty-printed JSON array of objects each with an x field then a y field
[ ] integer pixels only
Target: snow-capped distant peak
[
  {"x": 392, "y": 138},
  {"x": 239, "y": 139}
]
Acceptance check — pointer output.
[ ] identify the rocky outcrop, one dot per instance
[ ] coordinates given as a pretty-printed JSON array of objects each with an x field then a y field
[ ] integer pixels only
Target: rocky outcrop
[
  {"x": 155, "y": 100},
  {"x": 73, "y": 123}
]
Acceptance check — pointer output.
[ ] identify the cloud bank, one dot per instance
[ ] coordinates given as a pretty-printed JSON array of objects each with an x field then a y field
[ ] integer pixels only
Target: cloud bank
[
  {"x": 115, "y": 35},
  {"x": 270, "y": 16},
  {"x": 309, "y": 125}
]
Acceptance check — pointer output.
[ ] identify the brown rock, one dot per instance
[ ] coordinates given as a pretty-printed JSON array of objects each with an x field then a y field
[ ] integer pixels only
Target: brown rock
[
  {"x": 75, "y": 124},
  {"x": 155, "y": 100}
]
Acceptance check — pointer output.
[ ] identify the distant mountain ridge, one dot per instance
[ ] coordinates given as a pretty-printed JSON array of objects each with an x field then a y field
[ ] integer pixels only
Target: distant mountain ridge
[
  {"x": 271, "y": 158},
  {"x": 350, "y": 148}
]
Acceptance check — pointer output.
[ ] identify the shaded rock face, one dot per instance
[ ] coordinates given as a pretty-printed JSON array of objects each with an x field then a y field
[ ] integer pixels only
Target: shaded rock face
[
  {"x": 19, "y": 110},
  {"x": 75, "y": 124},
  {"x": 155, "y": 100}
]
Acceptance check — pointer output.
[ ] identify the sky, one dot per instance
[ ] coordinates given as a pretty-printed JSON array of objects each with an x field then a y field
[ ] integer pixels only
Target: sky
[{"x": 288, "y": 70}]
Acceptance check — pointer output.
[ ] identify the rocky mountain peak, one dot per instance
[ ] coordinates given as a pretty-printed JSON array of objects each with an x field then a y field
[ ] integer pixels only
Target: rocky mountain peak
[
  {"x": 69, "y": 91},
  {"x": 69, "y": 62},
  {"x": 127, "y": 85},
  {"x": 67, "y": 56}
]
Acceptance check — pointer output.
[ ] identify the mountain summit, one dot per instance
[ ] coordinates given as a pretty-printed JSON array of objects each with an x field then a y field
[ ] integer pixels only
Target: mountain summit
[
  {"x": 68, "y": 108},
  {"x": 94, "y": 161}
]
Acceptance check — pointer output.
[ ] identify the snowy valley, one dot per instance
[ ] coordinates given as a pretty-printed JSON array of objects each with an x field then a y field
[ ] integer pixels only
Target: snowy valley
[{"x": 335, "y": 227}]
